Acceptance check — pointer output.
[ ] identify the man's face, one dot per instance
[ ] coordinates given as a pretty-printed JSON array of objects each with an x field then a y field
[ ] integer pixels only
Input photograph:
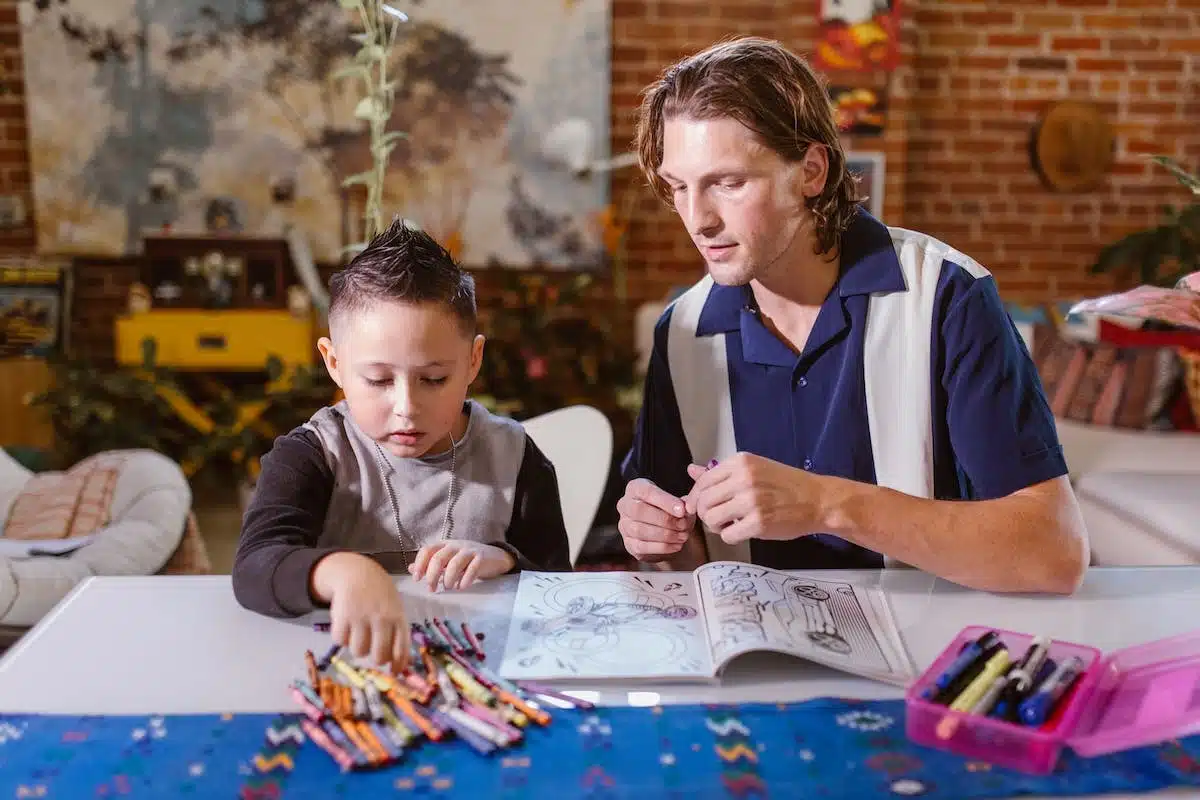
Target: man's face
[{"x": 742, "y": 203}]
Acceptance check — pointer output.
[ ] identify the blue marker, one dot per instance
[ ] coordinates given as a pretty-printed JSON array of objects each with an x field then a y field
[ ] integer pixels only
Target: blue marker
[
  {"x": 1037, "y": 707},
  {"x": 966, "y": 657},
  {"x": 1014, "y": 694}
]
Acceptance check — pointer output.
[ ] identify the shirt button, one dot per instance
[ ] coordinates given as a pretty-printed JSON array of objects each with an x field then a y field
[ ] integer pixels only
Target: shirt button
[
  {"x": 802, "y": 382},
  {"x": 808, "y": 463}
]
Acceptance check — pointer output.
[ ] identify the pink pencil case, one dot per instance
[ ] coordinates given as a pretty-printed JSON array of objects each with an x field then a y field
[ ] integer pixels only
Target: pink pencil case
[{"x": 1129, "y": 698}]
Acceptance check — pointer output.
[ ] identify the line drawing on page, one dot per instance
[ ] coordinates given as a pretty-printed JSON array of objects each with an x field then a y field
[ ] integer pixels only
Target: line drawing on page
[
  {"x": 753, "y": 607},
  {"x": 591, "y": 625}
]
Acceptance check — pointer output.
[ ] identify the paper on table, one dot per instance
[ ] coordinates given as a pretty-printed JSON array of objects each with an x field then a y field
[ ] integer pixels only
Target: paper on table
[
  {"x": 32, "y": 548},
  {"x": 1177, "y": 306},
  {"x": 607, "y": 625},
  {"x": 750, "y": 608}
]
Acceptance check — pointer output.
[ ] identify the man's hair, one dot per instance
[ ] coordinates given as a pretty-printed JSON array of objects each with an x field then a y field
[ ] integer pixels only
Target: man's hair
[
  {"x": 770, "y": 91},
  {"x": 406, "y": 265}
]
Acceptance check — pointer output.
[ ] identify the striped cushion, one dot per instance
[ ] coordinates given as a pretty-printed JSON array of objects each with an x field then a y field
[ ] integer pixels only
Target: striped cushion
[{"x": 59, "y": 505}]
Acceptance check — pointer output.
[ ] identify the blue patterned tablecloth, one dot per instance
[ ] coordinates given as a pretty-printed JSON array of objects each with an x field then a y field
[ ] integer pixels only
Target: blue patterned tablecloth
[{"x": 820, "y": 748}]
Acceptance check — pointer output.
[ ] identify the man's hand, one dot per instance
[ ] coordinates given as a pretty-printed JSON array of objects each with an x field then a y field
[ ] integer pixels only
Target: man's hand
[
  {"x": 655, "y": 525},
  {"x": 365, "y": 610},
  {"x": 751, "y": 497},
  {"x": 458, "y": 563}
]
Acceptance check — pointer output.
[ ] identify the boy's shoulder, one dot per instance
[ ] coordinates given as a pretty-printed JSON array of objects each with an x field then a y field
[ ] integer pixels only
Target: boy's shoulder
[
  {"x": 329, "y": 428},
  {"x": 495, "y": 429}
]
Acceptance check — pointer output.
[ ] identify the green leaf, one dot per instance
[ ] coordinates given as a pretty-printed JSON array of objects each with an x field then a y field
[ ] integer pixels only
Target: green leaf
[
  {"x": 368, "y": 108},
  {"x": 350, "y": 71},
  {"x": 392, "y": 136},
  {"x": 358, "y": 179},
  {"x": 370, "y": 54},
  {"x": 1186, "y": 178}
]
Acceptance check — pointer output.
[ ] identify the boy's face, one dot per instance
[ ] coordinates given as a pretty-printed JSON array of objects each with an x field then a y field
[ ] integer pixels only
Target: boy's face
[{"x": 405, "y": 370}]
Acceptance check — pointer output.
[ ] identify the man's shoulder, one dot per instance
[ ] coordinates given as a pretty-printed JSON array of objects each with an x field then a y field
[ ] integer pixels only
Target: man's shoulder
[{"x": 917, "y": 251}]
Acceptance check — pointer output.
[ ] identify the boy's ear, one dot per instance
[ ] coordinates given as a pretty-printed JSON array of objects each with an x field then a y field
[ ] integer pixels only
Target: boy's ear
[
  {"x": 476, "y": 356},
  {"x": 329, "y": 356}
]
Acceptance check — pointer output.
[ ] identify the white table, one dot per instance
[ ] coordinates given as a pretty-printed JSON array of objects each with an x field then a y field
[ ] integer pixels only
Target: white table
[{"x": 128, "y": 645}]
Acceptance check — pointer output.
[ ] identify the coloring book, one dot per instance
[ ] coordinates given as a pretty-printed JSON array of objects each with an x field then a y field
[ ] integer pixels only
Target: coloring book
[{"x": 682, "y": 626}]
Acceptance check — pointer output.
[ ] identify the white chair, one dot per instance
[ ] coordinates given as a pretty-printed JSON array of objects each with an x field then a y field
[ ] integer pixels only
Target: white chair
[{"x": 578, "y": 440}]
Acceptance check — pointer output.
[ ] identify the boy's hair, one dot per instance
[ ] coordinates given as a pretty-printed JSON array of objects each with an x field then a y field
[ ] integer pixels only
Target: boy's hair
[
  {"x": 406, "y": 265},
  {"x": 769, "y": 90}
]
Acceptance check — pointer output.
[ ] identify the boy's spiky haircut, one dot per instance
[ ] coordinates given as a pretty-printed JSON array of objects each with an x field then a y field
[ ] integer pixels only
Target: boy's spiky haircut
[{"x": 405, "y": 265}]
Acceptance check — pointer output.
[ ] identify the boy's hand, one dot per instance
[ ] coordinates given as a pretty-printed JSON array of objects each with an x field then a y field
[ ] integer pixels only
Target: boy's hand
[
  {"x": 366, "y": 612},
  {"x": 458, "y": 564}
]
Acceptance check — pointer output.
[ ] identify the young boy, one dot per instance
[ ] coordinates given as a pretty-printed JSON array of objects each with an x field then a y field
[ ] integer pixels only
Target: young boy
[{"x": 405, "y": 473}]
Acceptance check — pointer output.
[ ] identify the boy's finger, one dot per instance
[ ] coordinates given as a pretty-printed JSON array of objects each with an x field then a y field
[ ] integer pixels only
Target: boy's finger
[
  {"x": 421, "y": 562},
  {"x": 382, "y": 641},
  {"x": 437, "y": 565},
  {"x": 360, "y": 639},
  {"x": 455, "y": 568},
  {"x": 472, "y": 573},
  {"x": 400, "y": 647}
]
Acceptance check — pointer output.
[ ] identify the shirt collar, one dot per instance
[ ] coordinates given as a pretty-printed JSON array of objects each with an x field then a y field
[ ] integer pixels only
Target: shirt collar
[{"x": 869, "y": 264}]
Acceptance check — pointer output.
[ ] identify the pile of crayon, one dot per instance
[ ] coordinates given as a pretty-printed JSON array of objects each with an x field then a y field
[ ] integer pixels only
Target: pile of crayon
[
  {"x": 365, "y": 717},
  {"x": 985, "y": 679}
]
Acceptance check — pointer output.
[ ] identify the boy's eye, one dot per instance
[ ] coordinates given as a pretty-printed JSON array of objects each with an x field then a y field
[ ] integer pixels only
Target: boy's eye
[
  {"x": 435, "y": 381},
  {"x": 378, "y": 381}
]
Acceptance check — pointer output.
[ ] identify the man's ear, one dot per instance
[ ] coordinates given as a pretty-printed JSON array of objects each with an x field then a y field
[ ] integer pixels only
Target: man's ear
[
  {"x": 476, "y": 356},
  {"x": 814, "y": 170},
  {"x": 329, "y": 356}
]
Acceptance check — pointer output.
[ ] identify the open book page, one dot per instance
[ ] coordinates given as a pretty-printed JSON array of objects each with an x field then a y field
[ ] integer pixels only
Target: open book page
[
  {"x": 843, "y": 626},
  {"x": 606, "y": 625}
]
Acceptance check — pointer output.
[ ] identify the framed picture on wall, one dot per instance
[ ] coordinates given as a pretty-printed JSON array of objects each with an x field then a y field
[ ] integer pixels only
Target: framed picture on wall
[
  {"x": 35, "y": 296},
  {"x": 869, "y": 166}
]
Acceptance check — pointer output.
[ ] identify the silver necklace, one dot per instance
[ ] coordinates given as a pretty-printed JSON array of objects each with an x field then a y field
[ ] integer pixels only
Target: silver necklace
[{"x": 451, "y": 496}]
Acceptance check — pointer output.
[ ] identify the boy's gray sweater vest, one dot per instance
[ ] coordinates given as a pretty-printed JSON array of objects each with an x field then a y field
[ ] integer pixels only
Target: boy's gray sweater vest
[{"x": 361, "y": 516}]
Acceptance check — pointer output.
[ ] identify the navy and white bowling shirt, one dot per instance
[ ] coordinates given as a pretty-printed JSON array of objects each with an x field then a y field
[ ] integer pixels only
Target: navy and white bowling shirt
[{"x": 913, "y": 377}]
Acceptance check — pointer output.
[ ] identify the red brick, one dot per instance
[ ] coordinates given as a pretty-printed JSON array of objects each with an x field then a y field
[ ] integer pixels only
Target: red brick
[
  {"x": 1045, "y": 21},
  {"x": 1123, "y": 44},
  {"x": 1173, "y": 65},
  {"x": 1152, "y": 108},
  {"x": 1191, "y": 45},
  {"x": 1014, "y": 40},
  {"x": 1100, "y": 64},
  {"x": 1077, "y": 44},
  {"x": 982, "y": 62},
  {"x": 1107, "y": 22},
  {"x": 989, "y": 18},
  {"x": 953, "y": 39}
]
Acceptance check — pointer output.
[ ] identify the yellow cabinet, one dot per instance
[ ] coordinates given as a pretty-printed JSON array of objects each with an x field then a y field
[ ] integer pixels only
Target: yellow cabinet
[{"x": 227, "y": 339}]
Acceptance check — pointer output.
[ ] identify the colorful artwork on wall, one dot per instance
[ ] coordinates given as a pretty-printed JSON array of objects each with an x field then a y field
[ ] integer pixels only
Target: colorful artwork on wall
[
  {"x": 859, "y": 111},
  {"x": 858, "y": 35},
  {"x": 227, "y": 114},
  {"x": 35, "y": 298}
]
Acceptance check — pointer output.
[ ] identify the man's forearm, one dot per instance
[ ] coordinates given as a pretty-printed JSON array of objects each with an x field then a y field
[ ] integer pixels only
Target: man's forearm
[{"x": 1031, "y": 541}]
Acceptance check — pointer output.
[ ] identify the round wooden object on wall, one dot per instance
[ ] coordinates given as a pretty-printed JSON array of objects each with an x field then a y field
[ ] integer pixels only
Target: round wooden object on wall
[{"x": 1072, "y": 146}]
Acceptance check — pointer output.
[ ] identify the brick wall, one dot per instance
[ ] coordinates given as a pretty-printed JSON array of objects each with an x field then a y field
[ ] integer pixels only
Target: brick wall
[
  {"x": 984, "y": 71},
  {"x": 975, "y": 77}
]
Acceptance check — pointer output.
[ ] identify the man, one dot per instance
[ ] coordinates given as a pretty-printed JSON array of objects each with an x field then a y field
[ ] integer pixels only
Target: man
[{"x": 835, "y": 393}]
